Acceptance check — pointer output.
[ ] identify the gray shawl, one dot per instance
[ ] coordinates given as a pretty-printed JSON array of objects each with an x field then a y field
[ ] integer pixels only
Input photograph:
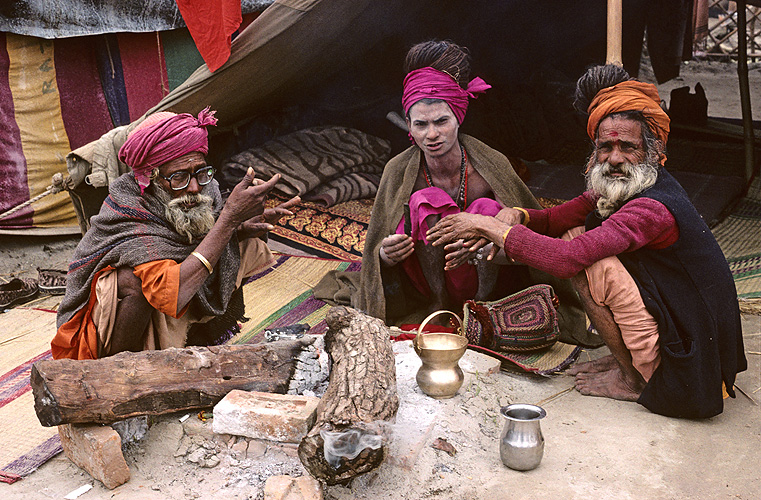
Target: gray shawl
[{"x": 131, "y": 230}]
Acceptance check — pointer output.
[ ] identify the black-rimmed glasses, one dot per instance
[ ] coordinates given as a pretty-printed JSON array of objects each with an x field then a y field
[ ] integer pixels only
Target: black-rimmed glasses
[{"x": 180, "y": 180}]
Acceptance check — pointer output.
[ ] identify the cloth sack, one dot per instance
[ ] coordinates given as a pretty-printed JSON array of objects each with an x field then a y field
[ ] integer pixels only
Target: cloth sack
[{"x": 522, "y": 322}]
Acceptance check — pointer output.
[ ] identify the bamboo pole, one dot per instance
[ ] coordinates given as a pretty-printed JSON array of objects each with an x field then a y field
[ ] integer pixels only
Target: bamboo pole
[
  {"x": 615, "y": 32},
  {"x": 742, "y": 73}
]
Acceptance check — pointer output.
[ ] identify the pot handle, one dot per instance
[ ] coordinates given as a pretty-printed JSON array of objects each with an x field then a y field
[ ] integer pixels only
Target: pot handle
[{"x": 458, "y": 331}]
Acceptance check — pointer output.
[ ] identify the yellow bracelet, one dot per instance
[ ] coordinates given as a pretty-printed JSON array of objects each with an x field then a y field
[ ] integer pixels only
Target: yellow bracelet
[
  {"x": 504, "y": 236},
  {"x": 526, "y": 218},
  {"x": 204, "y": 261}
]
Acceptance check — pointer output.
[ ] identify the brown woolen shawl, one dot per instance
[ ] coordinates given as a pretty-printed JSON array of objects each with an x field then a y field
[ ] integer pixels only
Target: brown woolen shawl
[
  {"x": 394, "y": 191},
  {"x": 129, "y": 230}
]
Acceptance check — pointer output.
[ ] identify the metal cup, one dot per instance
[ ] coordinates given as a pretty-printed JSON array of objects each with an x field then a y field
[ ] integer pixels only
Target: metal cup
[{"x": 521, "y": 443}]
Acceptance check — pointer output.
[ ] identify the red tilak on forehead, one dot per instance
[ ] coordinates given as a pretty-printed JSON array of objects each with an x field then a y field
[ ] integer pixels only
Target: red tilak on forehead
[{"x": 613, "y": 133}]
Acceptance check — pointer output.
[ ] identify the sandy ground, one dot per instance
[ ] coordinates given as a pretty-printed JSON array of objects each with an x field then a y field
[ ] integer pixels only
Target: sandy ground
[{"x": 595, "y": 448}]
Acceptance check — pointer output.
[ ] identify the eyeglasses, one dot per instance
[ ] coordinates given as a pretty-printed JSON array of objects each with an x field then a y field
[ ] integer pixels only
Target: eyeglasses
[{"x": 180, "y": 180}]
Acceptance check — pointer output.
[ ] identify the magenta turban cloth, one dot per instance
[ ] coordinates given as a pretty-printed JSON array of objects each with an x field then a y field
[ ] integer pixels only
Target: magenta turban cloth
[
  {"x": 429, "y": 83},
  {"x": 164, "y": 137}
]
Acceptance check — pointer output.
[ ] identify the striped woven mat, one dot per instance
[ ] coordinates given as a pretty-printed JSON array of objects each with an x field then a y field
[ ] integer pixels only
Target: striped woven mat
[
  {"x": 739, "y": 236},
  {"x": 25, "y": 334},
  {"x": 282, "y": 295}
]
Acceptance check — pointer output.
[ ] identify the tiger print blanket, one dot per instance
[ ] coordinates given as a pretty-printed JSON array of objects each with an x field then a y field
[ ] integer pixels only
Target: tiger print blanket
[{"x": 324, "y": 164}]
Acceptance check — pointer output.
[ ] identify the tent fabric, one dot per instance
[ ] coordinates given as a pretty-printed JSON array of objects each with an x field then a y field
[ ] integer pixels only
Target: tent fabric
[
  {"x": 70, "y": 18},
  {"x": 278, "y": 49},
  {"x": 60, "y": 95},
  {"x": 211, "y": 24},
  {"x": 289, "y": 54},
  {"x": 40, "y": 143}
]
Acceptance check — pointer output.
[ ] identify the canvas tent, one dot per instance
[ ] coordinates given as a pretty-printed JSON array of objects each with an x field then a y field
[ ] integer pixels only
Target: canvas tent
[
  {"x": 312, "y": 62},
  {"x": 70, "y": 71}
]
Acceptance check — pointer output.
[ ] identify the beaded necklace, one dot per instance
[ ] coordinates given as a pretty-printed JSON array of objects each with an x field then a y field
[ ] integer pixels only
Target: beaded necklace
[{"x": 462, "y": 191}]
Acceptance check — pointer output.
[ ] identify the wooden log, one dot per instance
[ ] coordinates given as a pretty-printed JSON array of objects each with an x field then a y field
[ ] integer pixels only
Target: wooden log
[
  {"x": 130, "y": 384},
  {"x": 361, "y": 396}
]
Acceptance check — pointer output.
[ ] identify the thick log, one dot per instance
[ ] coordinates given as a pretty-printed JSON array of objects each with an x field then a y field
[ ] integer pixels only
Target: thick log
[
  {"x": 360, "y": 397},
  {"x": 131, "y": 384}
]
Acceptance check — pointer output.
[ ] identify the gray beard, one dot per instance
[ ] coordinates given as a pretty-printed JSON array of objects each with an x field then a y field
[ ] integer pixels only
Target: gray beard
[
  {"x": 615, "y": 191},
  {"x": 194, "y": 223}
]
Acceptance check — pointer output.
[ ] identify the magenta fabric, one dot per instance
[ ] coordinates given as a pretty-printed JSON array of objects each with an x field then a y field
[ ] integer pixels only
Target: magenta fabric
[
  {"x": 150, "y": 147},
  {"x": 640, "y": 223},
  {"x": 462, "y": 282},
  {"x": 13, "y": 177},
  {"x": 434, "y": 84},
  {"x": 84, "y": 109}
]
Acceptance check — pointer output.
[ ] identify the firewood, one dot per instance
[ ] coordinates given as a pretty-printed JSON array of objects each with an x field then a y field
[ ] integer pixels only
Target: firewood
[
  {"x": 361, "y": 396},
  {"x": 131, "y": 384}
]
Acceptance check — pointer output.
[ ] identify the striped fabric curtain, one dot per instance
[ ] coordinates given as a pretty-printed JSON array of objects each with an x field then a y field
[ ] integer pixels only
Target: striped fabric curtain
[{"x": 58, "y": 95}]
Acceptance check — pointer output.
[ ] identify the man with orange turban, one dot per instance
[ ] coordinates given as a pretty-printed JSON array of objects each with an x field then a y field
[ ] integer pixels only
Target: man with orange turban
[
  {"x": 652, "y": 278},
  {"x": 164, "y": 253}
]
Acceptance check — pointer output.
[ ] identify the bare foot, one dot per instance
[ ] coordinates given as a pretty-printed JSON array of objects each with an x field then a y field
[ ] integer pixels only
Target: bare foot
[
  {"x": 596, "y": 365},
  {"x": 607, "y": 384}
]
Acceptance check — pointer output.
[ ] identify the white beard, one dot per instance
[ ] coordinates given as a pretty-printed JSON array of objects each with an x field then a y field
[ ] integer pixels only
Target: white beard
[
  {"x": 195, "y": 222},
  {"x": 615, "y": 191}
]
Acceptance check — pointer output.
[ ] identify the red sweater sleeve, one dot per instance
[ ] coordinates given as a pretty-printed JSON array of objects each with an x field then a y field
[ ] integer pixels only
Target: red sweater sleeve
[
  {"x": 642, "y": 222},
  {"x": 557, "y": 220}
]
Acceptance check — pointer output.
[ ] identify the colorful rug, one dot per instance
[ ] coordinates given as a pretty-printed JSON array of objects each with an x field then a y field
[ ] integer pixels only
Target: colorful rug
[
  {"x": 336, "y": 232},
  {"x": 25, "y": 334},
  {"x": 739, "y": 237}
]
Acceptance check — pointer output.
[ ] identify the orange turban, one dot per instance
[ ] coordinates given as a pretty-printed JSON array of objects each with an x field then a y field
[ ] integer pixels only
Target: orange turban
[{"x": 629, "y": 96}]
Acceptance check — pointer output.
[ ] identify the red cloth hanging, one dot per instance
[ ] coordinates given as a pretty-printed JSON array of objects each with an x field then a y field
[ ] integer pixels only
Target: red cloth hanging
[{"x": 211, "y": 24}]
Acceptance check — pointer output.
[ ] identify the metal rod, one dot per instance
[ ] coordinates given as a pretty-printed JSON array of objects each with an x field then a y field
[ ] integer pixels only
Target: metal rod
[{"x": 742, "y": 73}]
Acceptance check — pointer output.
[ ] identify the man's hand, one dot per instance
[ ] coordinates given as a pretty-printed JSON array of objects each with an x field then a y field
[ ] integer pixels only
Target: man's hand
[
  {"x": 510, "y": 216},
  {"x": 456, "y": 255},
  {"x": 462, "y": 226},
  {"x": 475, "y": 230},
  {"x": 259, "y": 225},
  {"x": 395, "y": 248},
  {"x": 247, "y": 198}
]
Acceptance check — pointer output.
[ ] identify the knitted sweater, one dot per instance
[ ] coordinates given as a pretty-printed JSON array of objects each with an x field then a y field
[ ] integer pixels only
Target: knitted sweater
[{"x": 642, "y": 222}]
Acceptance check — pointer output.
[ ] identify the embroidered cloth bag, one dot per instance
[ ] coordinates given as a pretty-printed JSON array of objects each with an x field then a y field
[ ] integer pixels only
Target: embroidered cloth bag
[{"x": 521, "y": 322}]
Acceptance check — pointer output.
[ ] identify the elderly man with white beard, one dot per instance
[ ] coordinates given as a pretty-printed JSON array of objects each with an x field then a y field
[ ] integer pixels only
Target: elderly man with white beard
[
  {"x": 652, "y": 278},
  {"x": 164, "y": 253}
]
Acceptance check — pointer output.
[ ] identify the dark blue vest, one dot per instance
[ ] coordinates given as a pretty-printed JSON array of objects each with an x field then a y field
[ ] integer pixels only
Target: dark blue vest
[{"x": 689, "y": 290}]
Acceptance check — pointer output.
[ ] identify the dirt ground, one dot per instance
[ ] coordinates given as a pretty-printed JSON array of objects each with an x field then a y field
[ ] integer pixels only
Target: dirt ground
[{"x": 595, "y": 448}]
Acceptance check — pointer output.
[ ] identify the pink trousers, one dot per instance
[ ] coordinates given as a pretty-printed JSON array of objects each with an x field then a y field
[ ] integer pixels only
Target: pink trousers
[{"x": 612, "y": 286}]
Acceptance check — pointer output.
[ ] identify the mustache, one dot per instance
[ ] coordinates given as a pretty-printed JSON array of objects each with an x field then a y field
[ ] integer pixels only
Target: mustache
[{"x": 190, "y": 199}]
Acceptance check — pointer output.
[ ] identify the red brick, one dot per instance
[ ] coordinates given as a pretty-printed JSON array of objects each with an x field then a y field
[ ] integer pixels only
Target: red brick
[
  {"x": 292, "y": 488},
  {"x": 96, "y": 449},
  {"x": 283, "y": 418}
]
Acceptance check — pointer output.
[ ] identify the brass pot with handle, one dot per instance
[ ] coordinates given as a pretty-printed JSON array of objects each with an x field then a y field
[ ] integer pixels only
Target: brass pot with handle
[{"x": 440, "y": 375}]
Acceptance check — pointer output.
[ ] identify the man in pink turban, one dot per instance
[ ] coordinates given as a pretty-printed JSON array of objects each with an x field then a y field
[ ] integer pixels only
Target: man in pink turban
[
  {"x": 444, "y": 172},
  {"x": 650, "y": 274},
  {"x": 165, "y": 254}
]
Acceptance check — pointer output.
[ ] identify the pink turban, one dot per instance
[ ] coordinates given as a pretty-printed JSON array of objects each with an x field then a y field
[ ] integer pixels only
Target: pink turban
[
  {"x": 163, "y": 137},
  {"x": 434, "y": 84}
]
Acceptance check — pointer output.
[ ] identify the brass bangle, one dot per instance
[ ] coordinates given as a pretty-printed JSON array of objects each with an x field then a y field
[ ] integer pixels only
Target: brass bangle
[
  {"x": 504, "y": 236},
  {"x": 526, "y": 218},
  {"x": 204, "y": 261}
]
